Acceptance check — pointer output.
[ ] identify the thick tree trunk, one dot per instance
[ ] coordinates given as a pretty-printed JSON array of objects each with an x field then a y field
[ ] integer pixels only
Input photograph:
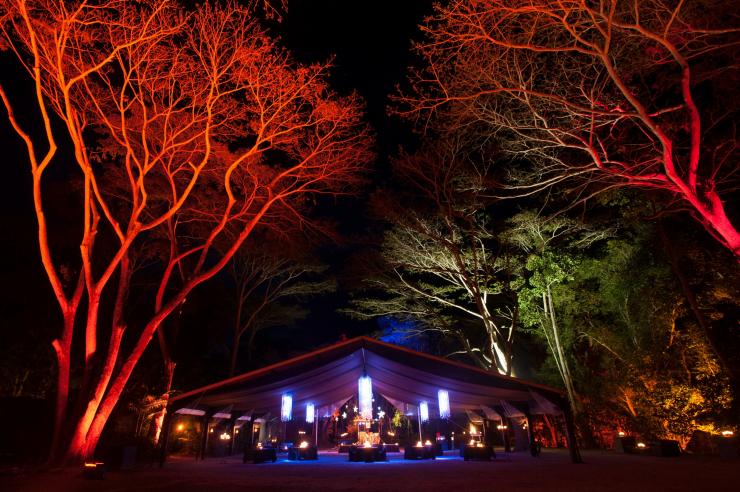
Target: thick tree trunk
[
  {"x": 715, "y": 221},
  {"x": 62, "y": 348}
]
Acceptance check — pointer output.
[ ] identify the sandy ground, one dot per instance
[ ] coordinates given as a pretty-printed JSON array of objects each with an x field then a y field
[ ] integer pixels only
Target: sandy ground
[{"x": 603, "y": 471}]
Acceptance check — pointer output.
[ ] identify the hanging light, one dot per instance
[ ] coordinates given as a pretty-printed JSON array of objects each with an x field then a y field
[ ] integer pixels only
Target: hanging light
[
  {"x": 310, "y": 411},
  {"x": 286, "y": 409},
  {"x": 365, "y": 394},
  {"x": 444, "y": 404},
  {"x": 424, "y": 411}
]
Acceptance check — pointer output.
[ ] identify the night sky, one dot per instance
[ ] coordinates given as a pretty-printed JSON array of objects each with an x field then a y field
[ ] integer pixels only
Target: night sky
[{"x": 370, "y": 43}]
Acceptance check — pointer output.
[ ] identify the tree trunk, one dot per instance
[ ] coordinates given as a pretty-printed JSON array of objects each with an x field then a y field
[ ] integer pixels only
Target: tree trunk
[
  {"x": 567, "y": 378},
  {"x": 62, "y": 348},
  {"x": 169, "y": 368}
]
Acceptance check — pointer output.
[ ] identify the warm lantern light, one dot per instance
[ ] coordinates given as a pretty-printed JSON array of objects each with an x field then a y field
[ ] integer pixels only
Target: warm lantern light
[
  {"x": 418, "y": 444},
  {"x": 286, "y": 409},
  {"x": 473, "y": 430},
  {"x": 211, "y": 430},
  {"x": 225, "y": 436},
  {"x": 428, "y": 443},
  {"x": 259, "y": 445},
  {"x": 472, "y": 442},
  {"x": 641, "y": 445},
  {"x": 727, "y": 433},
  {"x": 303, "y": 445},
  {"x": 390, "y": 433},
  {"x": 180, "y": 427},
  {"x": 444, "y": 404},
  {"x": 368, "y": 444},
  {"x": 424, "y": 411},
  {"x": 365, "y": 394},
  {"x": 310, "y": 412},
  {"x": 501, "y": 427},
  {"x": 621, "y": 434}
]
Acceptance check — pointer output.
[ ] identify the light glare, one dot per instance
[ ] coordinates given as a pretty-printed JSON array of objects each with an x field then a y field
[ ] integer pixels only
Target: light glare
[
  {"x": 310, "y": 412},
  {"x": 444, "y": 404},
  {"x": 365, "y": 394},
  {"x": 424, "y": 411},
  {"x": 286, "y": 409}
]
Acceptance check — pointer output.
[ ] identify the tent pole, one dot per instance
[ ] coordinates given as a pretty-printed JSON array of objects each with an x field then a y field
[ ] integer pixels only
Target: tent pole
[
  {"x": 418, "y": 416},
  {"x": 204, "y": 435}
]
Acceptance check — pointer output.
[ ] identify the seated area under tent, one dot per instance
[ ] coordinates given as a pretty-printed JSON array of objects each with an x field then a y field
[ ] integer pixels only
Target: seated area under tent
[{"x": 369, "y": 400}]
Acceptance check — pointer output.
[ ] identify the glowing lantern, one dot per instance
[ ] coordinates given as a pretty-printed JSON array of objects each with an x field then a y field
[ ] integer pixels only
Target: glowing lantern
[
  {"x": 424, "y": 411},
  {"x": 310, "y": 412},
  {"x": 444, "y": 404},
  {"x": 727, "y": 433},
  {"x": 180, "y": 427},
  {"x": 621, "y": 434},
  {"x": 418, "y": 444},
  {"x": 428, "y": 443},
  {"x": 303, "y": 445},
  {"x": 367, "y": 444},
  {"x": 365, "y": 394},
  {"x": 641, "y": 445},
  {"x": 286, "y": 408},
  {"x": 225, "y": 436}
]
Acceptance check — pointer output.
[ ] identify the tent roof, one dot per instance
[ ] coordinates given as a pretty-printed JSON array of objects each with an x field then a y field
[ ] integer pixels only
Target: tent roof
[{"x": 330, "y": 374}]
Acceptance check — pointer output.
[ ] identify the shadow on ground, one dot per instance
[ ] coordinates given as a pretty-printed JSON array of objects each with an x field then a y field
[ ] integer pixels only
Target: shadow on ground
[{"x": 552, "y": 471}]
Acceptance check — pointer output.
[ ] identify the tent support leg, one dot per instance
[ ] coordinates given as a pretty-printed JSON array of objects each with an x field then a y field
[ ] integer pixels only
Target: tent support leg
[{"x": 204, "y": 432}]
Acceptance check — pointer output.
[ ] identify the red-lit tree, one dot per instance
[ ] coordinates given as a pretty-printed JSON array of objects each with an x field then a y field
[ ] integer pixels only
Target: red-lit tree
[
  {"x": 593, "y": 94},
  {"x": 189, "y": 126}
]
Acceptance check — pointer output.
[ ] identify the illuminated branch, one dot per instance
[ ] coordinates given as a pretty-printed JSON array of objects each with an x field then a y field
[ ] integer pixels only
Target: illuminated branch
[{"x": 593, "y": 95}]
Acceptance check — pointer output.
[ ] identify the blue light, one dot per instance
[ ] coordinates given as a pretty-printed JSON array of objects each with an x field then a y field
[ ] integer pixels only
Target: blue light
[
  {"x": 286, "y": 408},
  {"x": 444, "y": 404},
  {"x": 365, "y": 395},
  {"x": 310, "y": 411},
  {"x": 424, "y": 411}
]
